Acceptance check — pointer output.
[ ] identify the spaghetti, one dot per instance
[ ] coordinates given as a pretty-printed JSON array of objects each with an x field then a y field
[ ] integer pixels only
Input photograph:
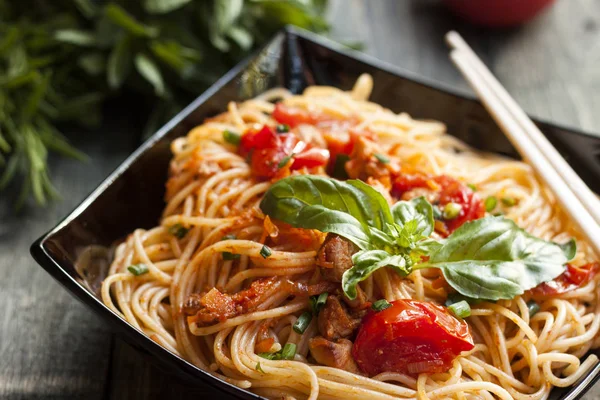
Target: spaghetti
[{"x": 213, "y": 240}]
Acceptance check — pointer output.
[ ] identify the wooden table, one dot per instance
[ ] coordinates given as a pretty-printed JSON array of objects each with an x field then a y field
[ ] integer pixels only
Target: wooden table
[{"x": 53, "y": 347}]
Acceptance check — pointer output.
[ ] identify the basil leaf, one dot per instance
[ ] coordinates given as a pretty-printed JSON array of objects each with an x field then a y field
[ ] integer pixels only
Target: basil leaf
[
  {"x": 356, "y": 198},
  {"x": 326, "y": 220},
  {"x": 417, "y": 209},
  {"x": 427, "y": 246},
  {"x": 376, "y": 206},
  {"x": 348, "y": 209},
  {"x": 492, "y": 258},
  {"x": 367, "y": 262},
  {"x": 569, "y": 248}
]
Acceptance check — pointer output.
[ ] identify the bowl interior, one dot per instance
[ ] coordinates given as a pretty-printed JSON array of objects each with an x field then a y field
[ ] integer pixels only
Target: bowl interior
[{"x": 77, "y": 252}]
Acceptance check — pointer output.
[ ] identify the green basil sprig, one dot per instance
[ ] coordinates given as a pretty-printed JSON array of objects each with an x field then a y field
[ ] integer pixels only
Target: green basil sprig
[{"x": 486, "y": 259}]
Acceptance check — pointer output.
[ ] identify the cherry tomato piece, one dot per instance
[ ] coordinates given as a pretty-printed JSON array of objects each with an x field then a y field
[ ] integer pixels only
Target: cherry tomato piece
[
  {"x": 410, "y": 337},
  {"x": 311, "y": 158},
  {"x": 573, "y": 278},
  {"x": 292, "y": 116},
  {"x": 453, "y": 191},
  {"x": 448, "y": 190}
]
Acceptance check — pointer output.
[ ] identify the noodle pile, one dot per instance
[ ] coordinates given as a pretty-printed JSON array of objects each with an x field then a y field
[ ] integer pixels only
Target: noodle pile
[{"x": 211, "y": 190}]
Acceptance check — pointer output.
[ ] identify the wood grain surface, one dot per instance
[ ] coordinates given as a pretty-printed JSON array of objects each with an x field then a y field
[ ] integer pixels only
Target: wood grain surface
[{"x": 52, "y": 347}]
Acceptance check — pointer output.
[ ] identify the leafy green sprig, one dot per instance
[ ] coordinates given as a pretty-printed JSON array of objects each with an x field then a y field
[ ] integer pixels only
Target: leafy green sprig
[
  {"x": 486, "y": 259},
  {"x": 60, "y": 59}
]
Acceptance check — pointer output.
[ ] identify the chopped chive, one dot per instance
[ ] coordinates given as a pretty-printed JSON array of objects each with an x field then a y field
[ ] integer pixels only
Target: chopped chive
[
  {"x": 437, "y": 213},
  {"x": 226, "y": 254},
  {"x": 268, "y": 356},
  {"x": 509, "y": 201},
  {"x": 317, "y": 302},
  {"x": 490, "y": 203},
  {"x": 265, "y": 251},
  {"x": 284, "y": 161},
  {"x": 282, "y": 128},
  {"x": 339, "y": 167},
  {"x": 302, "y": 322},
  {"x": 288, "y": 352},
  {"x": 231, "y": 137},
  {"x": 461, "y": 309},
  {"x": 451, "y": 210},
  {"x": 382, "y": 158},
  {"x": 178, "y": 230},
  {"x": 381, "y": 305},
  {"x": 259, "y": 368},
  {"x": 138, "y": 269},
  {"x": 533, "y": 307},
  {"x": 472, "y": 187}
]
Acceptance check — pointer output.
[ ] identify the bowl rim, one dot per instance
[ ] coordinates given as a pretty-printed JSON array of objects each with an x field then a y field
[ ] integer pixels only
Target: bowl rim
[{"x": 138, "y": 338}]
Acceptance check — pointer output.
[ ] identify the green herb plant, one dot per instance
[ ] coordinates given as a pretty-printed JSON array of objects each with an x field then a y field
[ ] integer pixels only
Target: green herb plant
[
  {"x": 60, "y": 59},
  {"x": 486, "y": 259}
]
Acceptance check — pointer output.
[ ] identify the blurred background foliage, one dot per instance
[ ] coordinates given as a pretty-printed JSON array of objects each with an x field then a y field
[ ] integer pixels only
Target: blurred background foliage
[{"x": 61, "y": 59}]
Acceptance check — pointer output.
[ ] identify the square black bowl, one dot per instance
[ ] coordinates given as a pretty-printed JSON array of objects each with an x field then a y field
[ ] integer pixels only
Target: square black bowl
[{"x": 132, "y": 196}]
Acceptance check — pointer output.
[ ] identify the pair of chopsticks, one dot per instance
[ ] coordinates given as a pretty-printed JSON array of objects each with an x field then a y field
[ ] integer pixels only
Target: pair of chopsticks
[{"x": 570, "y": 190}]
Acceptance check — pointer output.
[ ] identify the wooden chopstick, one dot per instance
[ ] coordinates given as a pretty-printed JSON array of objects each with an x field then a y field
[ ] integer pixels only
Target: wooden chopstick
[
  {"x": 528, "y": 149},
  {"x": 577, "y": 185}
]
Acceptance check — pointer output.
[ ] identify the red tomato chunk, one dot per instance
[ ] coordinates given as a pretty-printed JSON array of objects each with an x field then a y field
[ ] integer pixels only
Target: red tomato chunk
[
  {"x": 293, "y": 116},
  {"x": 571, "y": 279},
  {"x": 410, "y": 337},
  {"x": 266, "y": 150},
  {"x": 441, "y": 190}
]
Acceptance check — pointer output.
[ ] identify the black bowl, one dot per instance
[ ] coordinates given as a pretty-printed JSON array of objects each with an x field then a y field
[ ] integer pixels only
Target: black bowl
[{"x": 132, "y": 196}]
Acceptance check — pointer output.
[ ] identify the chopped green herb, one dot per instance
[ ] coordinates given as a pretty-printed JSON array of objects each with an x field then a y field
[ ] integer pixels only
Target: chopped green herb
[
  {"x": 269, "y": 356},
  {"x": 317, "y": 302},
  {"x": 259, "y": 368},
  {"x": 285, "y": 160},
  {"x": 282, "y": 128},
  {"x": 461, "y": 309},
  {"x": 472, "y": 187},
  {"x": 490, "y": 203},
  {"x": 498, "y": 214},
  {"x": 533, "y": 307},
  {"x": 302, "y": 322},
  {"x": 265, "y": 251},
  {"x": 451, "y": 210},
  {"x": 232, "y": 137},
  {"x": 380, "y": 305},
  {"x": 138, "y": 269},
  {"x": 382, "y": 158},
  {"x": 226, "y": 254},
  {"x": 509, "y": 201},
  {"x": 339, "y": 167},
  {"x": 288, "y": 352},
  {"x": 178, "y": 230}
]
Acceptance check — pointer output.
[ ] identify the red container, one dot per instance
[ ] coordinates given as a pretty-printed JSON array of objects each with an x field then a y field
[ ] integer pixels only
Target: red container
[{"x": 497, "y": 13}]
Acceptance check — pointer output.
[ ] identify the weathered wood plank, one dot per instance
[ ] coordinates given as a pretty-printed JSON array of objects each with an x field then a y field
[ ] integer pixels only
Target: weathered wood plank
[{"x": 52, "y": 346}]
